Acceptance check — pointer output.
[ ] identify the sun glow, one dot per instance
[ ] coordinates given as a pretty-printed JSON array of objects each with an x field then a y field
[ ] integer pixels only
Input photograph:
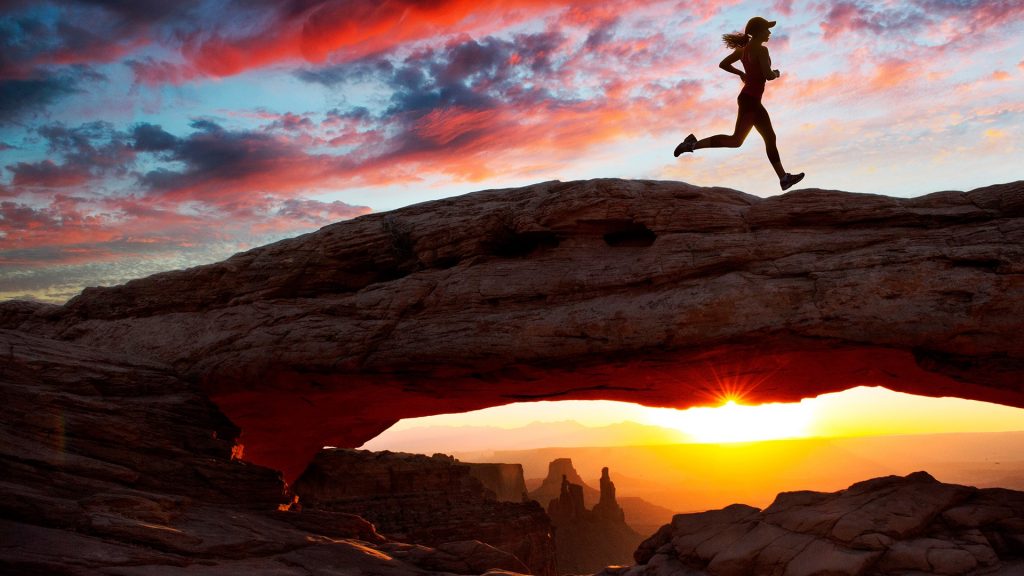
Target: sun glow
[
  {"x": 734, "y": 422},
  {"x": 858, "y": 412}
]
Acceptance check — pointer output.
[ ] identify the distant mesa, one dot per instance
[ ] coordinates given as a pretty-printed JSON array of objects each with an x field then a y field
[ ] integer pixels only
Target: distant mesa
[{"x": 551, "y": 488}]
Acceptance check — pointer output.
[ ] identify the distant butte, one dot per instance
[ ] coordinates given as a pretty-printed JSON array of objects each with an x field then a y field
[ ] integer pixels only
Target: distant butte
[{"x": 660, "y": 293}]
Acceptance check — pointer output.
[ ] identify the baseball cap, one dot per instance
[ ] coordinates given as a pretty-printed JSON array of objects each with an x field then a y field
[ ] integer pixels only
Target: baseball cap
[{"x": 757, "y": 23}]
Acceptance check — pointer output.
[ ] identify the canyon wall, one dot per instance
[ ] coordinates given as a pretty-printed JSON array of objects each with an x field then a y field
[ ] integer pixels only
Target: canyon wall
[{"x": 428, "y": 500}]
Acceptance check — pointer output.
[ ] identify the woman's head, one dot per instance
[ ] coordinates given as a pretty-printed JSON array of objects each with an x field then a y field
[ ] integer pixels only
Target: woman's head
[{"x": 758, "y": 29}]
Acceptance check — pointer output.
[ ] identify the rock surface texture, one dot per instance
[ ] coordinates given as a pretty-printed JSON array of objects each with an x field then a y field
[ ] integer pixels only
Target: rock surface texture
[
  {"x": 114, "y": 465},
  {"x": 659, "y": 293},
  {"x": 886, "y": 526},
  {"x": 505, "y": 480},
  {"x": 431, "y": 501}
]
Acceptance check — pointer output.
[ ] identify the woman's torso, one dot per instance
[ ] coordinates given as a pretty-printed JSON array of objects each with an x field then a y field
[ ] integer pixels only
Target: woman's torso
[{"x": 754, "y": 84}]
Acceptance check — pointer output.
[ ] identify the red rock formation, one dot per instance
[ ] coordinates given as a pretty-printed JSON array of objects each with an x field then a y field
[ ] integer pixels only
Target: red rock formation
[
  {"x": 588, "y": 540},
  {"x": 608, "y": 508},
  {"x": 432, "y": 501},
  {"x": 660, "y": 293},
  {"x": 568, "y": 507},
  {"x": 559, "y": 471},
  {"x": 885, "y": 526},
  {"x": 505, "y": 480},
  {"x": 113, "y": 465}
]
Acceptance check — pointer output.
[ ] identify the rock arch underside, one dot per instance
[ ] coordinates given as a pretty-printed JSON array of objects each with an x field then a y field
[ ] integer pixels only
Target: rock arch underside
[{"x": 659, "y": 293}]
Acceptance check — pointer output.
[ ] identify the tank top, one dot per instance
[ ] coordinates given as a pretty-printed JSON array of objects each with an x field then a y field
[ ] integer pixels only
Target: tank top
[{"x": 754, "y": 86}]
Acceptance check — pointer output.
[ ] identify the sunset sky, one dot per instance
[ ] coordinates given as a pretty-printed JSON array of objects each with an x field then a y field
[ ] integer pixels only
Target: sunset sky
[
  {"x": 861, "y": 411},
  {"x": 137, "y": 137}
]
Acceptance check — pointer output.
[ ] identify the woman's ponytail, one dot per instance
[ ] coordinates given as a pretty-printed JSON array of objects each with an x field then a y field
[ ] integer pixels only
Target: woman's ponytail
[{"x": 736, "y": 40}]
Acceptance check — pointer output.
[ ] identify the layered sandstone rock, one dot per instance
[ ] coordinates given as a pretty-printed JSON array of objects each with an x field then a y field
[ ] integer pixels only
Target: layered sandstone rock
[
  {"x": 426, "y": 500},
  {"x": 114, "y": 465},
  {"x": 660, "y": 293},
  {"x": 886, "y": 526},
  {"x": 505, "y": 480}
]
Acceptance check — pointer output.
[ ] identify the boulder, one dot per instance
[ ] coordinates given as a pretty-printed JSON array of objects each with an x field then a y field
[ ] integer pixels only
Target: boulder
[{"x": 885, "y": 526}]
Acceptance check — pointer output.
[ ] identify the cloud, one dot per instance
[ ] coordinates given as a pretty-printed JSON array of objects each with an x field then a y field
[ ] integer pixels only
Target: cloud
[
  {"x": 86, "y": 31},
  {"x": 293, "y": 210},
  {"x": 20, "y": 96},
  {"x": 152, "y": 138},
  {"x": 317, "y": 30},
  {"x": 864, "y": 17},
  {"x": 48, "y": 174},
  {"x": 224, "y": 163},
  {"x": 291, "y": 122},
  {"x": 954, "y": 20},
  {"x": 149, "y": 71},
  {"x": 89, "y": 151},
  {"x": 21, "y": 216},
  {"x": 995, "y": 134}
]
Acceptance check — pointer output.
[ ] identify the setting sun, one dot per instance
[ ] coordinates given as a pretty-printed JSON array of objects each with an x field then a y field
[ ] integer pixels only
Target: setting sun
[
  {"x": 734, "y": 422},
  {"x": 858, "y": 412}
]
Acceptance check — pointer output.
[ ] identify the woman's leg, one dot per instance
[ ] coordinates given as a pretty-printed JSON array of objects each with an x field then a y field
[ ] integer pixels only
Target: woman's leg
[
  {"x": 744, "y": 122},
  {"x": 763, "y": 123}
]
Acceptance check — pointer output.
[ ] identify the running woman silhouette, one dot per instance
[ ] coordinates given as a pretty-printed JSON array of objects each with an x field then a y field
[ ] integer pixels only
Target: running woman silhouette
[{"x": 749, "y": 49}]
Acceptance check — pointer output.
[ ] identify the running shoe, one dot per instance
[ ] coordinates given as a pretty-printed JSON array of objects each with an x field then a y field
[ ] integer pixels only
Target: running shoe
[
  {"x": 686, "y": 145},
  {"x": 788, "y": 180}
]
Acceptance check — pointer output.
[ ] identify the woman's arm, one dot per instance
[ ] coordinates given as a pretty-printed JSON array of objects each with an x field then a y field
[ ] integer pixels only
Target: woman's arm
[
  {"x": 765, "y": 62},
  {"x": 726, "y": 64}
]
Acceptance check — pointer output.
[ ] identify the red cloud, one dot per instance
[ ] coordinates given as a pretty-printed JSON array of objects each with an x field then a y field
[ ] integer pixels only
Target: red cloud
[
  {"x": 893, "y": 72},
  {"x": 355, "y": 29},
  {"x": 444, "y": 126},
  {"x": 76, "y": 230},
  {"x": 48, "y": 174}
]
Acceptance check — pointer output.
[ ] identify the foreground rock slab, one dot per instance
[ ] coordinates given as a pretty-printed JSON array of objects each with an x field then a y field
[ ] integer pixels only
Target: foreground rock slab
[
  {"x": 886, "y": 526},
  {"x": 114, "y": 465},
  {"x": 659, "y": 293},
  {"x": 431, "y": 500}
]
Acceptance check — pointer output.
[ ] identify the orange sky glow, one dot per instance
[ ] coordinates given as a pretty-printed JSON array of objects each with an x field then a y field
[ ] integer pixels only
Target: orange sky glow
[{"x": 861, "y": 411}]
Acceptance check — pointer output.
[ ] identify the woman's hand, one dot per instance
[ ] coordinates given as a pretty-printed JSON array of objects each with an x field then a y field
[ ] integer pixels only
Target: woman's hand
[
  {"x": 777, "y": 73},
  {"x": 743, "y": 77}
]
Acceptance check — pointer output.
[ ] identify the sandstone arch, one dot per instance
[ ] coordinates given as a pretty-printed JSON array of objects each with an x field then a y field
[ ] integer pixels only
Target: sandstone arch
[{"x": 659, "y": 293}]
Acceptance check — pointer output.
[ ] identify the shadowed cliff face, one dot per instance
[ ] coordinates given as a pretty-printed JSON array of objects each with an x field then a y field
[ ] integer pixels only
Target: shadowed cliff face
[{"x": 659, "y": 293}]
